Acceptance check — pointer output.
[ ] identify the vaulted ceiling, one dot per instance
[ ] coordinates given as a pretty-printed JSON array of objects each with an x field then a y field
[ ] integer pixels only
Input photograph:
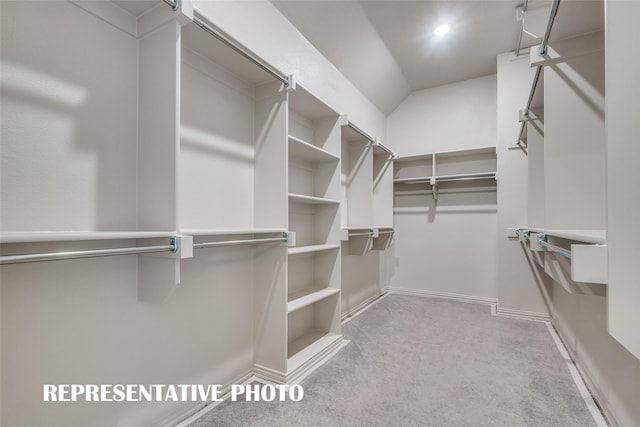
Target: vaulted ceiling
[{"x": 387, "y": 48}]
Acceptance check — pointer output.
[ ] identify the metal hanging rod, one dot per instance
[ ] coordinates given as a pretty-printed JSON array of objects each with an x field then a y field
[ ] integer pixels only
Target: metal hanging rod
[
  {"x": 525, "y": 6},
  {"x": 361, "y": 132},
  {"x": 283, "y": 239},
  {"x": 520, "y": 38},
  {"x": 56, "y": 256},
  {"x": 387, "y": 232},
  {"x": 174, "y": 4},
  {"x": 368, "y": 233},
  {"x": 467, "y": 178},
  {"x": 446, "y": 178},
  {"x": 242, "y": 50},
  {"x": 542, "y": 241},
  {"x": 541, "y": 52},
  {"x": 532, "y": 92},
  {"x": 552, "y": 16}
]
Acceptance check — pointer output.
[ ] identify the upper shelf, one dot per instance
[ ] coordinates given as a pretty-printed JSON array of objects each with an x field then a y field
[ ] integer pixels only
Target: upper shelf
[
  {"x": 306, "y": 151},
  {"x": 445, "y": 154},
  {"x": 305, "y": 103},
  {"x": 69, "y": 236},
  {"x": 596, "y": 237}
]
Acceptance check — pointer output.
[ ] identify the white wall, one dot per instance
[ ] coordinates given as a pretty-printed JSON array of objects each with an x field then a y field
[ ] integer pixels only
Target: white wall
[
  {"x": 434, "y": 240},
  {"x": 450, "y": 117}
]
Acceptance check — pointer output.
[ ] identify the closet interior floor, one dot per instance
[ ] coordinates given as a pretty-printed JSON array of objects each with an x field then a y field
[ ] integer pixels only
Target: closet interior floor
[{"x": 416, "y": 361}]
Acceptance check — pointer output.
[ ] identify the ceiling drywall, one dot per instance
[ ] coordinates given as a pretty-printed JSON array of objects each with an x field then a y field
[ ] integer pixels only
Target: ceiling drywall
[{"x": 387, "y": 48}]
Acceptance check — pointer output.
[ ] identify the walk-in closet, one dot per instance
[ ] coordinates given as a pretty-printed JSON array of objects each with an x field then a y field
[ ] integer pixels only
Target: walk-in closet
[{"x": 288, "y": 213}]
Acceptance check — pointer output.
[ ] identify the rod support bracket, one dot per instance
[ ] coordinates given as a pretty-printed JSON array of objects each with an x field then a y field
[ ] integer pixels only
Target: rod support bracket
[{"x": 291, "y": 83}]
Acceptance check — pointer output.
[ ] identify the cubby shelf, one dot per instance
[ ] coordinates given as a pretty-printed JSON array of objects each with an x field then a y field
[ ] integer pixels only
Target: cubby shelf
[
  {"x": 309, "y": 345},
  {"x": 301, "y": 198},
  {"x": 313, "y": 248},
  {"x": 306, "y": 297},
  {"x": 303, "y": 150}
]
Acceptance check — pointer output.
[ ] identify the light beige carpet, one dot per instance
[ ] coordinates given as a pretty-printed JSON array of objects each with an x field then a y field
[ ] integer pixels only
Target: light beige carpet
[{"x": 416, "y": 361}]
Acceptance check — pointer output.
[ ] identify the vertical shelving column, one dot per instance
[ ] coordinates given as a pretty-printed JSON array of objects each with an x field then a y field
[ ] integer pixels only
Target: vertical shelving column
[{"x": 313, "y": 281}]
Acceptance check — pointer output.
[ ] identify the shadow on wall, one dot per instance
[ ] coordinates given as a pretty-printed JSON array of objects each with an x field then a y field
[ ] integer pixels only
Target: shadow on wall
[
  {"x": 451, "y": 198},
  {"x": 70, "y": 131}
]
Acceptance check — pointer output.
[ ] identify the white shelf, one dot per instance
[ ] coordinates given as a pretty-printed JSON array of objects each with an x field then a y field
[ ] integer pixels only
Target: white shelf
[
  {"x": 597, "y": 237},
  {"x": 453, "y": 177},
  {"x": 309, "y": 296},
  {"x": 230, "y": 231},
  {"x": 67, "y": 236},
  {"x": 463, "y": 152},
  {"x": 308, "y": 346},
  {"x": 304, "y": 150},
  {"x": 301, "y": 198},
  {"x": 309, "y": 249}
]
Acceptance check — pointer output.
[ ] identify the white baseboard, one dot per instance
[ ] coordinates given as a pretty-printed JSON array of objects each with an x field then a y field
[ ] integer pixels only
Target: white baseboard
[
  {"x": 268, "y": 375},
  {"x": 316, "y": 361},
  {"x": 584, "y": 380},
  {"x": 443, "y": 295},
  {"x": 498, "y": 311},
  {"x": 362, "y": 307},
  {"x": 196, "y": 410}
]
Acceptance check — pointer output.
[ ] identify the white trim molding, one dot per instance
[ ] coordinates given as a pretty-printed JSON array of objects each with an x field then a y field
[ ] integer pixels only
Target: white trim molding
[
  {"x": 443, "y": 295},
  {"x": 498, "y": 311},
  {"x": 591, "y": 393}
]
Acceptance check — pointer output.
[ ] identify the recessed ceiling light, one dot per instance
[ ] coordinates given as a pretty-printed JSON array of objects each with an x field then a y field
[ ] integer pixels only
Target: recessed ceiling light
[{"x": 441, "y": 30}]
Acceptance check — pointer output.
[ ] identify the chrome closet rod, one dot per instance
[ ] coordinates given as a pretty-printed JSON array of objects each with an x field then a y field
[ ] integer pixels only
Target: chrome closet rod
[
  {"x": 174, "y": 4},
  {"x": 541, "y": 52},
  {"x": 361, "y": 234},
  {"x": 524, "y": 9},
  {"x": 532, "y": 92},
  {"x": 361, "y": 132},
  {"x": 386, "y": 232},
  {"x": 466, "y": 178},
  {"x": 239, "y": 242},
  {"x": 56, "y": 256},
  {"x": 520, "y": 37},
  {"x": 552, "y": 16},
  {"x": 542, "y": 241},
  {"x": 242, "y": 50}
]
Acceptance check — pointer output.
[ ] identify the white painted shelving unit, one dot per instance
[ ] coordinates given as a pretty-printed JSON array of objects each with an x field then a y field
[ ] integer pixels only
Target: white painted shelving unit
[
  {"x": 313, "y": 281},
  {"x": 447, "y": 171}
]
